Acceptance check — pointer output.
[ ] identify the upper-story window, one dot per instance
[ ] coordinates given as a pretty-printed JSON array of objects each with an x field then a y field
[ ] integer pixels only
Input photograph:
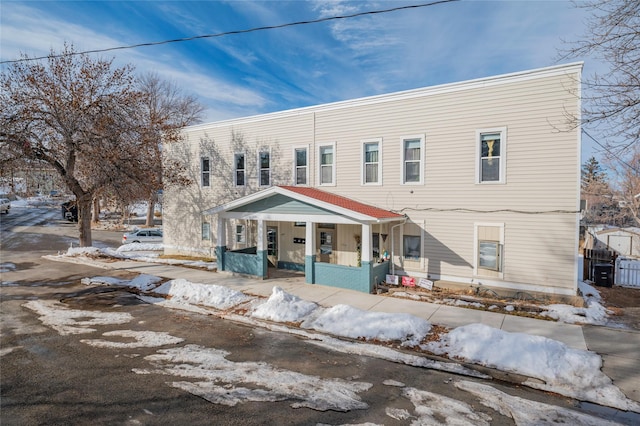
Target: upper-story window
[
  {"x": 491, "y": 156},
  {"x": 264, "y": 159},
  {"x": 327, "y": 164},
  {"x": 205, "y": 171},
  {"x": 301, "y": 169},
  {"x": 240, "y": 168},
  {"x": 372, "y": 162},
  {"x": 412, "y": 159}
]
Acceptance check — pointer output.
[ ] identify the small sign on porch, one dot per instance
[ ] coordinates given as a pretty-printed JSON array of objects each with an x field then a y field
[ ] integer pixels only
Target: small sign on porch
[
  {"x": 425, "y": 283},
  {"x": 408, "y": 281},
  {"x": 392, "y": 279}
]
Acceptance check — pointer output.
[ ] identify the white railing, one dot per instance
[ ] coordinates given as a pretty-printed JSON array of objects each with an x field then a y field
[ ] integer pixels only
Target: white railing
[{"x": 627, "y": 272}]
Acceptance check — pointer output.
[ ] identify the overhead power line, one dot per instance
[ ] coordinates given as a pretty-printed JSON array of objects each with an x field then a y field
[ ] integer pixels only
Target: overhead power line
[{"x": 249, "y": 30}]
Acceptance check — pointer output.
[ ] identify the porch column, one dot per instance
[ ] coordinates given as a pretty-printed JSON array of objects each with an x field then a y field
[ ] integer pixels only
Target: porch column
[
  {"x": 309, "y": 253},
  {"x": 261, "y": 249},
  {"x": 221, "y": 243},
  {"x": 366, "y": 266}
]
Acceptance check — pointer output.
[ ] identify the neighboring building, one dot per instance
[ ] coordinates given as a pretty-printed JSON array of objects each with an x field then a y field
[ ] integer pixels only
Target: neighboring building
[
  {"x": 475, "y": 183},
  {"x": 622, "y": 241}
]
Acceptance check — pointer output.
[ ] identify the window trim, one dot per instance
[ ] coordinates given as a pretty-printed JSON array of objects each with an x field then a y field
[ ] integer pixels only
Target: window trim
[
  {"x": 477, "y": 269},
  {"x": 295, "y": 166},
  {"x": 240, "y": 232},
  {"x": 206, "y": 231},
  {"x": 363, "y": 164},
  {"x": 260, "y": 152},
  {"x": 203, "y": 172},
  {"x": 333, "y": 164},
  {"x": 422, "y": 138},
  {"x": 235, "y": 169},
  {"x": 502, "y": 158}
]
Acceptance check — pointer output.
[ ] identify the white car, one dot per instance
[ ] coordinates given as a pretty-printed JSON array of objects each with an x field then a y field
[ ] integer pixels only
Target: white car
[
  {"x": 144, "y": 235},
  {"x": 5, "y": 205}
]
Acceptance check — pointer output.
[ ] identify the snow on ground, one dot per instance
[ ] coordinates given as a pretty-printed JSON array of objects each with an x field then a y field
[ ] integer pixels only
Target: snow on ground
[
  {"x": 71, "y": 321},
  {"x": 283, "y": 307},
  {"x": 211, "y": 295},
  {"x": 571, "y": 372},
  {"x": 142, "y": 282},
  {"x": 347, "y": 321}
]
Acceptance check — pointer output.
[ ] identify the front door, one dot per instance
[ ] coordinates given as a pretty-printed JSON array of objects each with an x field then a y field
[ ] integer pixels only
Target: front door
[
  {"x": 272, "y": 245},
  {"x": 326, "y": 245}
]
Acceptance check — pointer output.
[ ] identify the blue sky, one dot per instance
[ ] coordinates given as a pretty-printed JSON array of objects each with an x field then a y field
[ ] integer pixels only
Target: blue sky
[{"x": 273, "y": 70}]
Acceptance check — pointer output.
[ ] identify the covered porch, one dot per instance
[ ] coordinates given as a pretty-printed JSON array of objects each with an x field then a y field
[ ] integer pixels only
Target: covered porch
[{"x": 327, "y": 237}]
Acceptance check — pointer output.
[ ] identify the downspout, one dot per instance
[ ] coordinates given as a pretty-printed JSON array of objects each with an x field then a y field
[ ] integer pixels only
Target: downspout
[{"x": 393, "y": 265}]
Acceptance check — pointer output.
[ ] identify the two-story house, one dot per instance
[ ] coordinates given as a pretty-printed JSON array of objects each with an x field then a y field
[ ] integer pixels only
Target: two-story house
[{"x": 475, "y": 183}]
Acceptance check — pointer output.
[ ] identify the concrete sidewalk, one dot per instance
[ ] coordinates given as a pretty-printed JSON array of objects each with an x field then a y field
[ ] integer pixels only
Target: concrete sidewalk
[{"x": 619, "y": 348}]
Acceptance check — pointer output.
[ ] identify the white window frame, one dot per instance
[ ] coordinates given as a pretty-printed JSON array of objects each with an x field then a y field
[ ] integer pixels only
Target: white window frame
[
  {"x": 363, "y": 171},
  {"x": 421, "y": 261},
  {"x": 477, "y": 270},
  {"x": 203, "y": 172},
  {"x": 260, "y": 169},
  {"x": 240, "y": 232},
  {"x": 206, "y": 231},
  {"x": 235, "y": 169},
  {"x": 333, "y": 165},
  {"x": 502, "y": 158},
  {"x": 403, "y": 181},
  {"x": 296, "y": 167}
]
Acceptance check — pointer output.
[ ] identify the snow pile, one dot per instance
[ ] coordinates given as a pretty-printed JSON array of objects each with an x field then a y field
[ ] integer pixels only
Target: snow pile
[
  {"x": 592, "y": 313},
  {"x": 210, "y": 295},
  {"x": 140, "y": 247},
  {"x": 283, "y": 307},
  {"x": 347, "y": 321},
  {"x": 142, "y": 282},
  {"x": 570, "y": 372}
]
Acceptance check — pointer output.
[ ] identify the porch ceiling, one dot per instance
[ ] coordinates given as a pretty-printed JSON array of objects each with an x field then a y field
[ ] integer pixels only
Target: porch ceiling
[{"x": 291, "y": 203}]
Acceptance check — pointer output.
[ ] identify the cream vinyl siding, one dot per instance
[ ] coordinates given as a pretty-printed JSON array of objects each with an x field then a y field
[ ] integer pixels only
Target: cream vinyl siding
[{"x": 536, "y": 203}]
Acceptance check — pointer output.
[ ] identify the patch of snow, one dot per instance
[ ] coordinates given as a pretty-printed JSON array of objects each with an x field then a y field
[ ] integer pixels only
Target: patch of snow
[
  {"x": 434, "y": 409},
  {"x": 217, "y": 378},
  {"x": 283, "y": 307},
  {"x": 347, "y": 321},
  {"x": 142, "y": 339},
  {"x": 7, "y": 267},
  {"x": 72, "y": 321},
  {"x": 142, "y": 282},
  {"x": 212, "y": 295}
]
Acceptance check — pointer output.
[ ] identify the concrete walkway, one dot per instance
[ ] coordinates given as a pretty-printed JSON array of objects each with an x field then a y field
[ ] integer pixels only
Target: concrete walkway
[{"x": 619, "y": 348}]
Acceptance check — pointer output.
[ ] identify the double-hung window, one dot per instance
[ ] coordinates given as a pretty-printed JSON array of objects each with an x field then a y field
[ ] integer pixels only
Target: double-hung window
[
  {"x": 301, "y": 169},
  {"x": 241, "y": 234},
  {"x": 205, "y": 171},
  {"x": 372, "y": 162},
  {"x": 491, "y": 156},
  {"x": 412, "y": 160},
  {"x": 240, "y": 168},
  {"x": 327, "y": 167},
  {"x": 264, "y": 160},
  {"x": 206, "y": 231}
]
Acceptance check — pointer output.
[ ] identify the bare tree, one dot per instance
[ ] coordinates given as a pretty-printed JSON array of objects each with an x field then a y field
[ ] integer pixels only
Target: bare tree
[
  {"x": 627, "y": 185},
  {"x": 78, "y": 114},
  {"x": 612, "y": 98},
  {"x": 167, "y": 111}
]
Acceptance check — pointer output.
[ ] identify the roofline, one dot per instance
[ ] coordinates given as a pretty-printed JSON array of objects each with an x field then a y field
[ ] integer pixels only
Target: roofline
[
  {"x": 300, "y": 197},
  {"x": 406, "y": 94}
]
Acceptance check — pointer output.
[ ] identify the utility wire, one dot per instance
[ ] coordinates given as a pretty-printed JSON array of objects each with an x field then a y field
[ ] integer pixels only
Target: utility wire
[
  {"x": 245, "y": 31},
  {"x": 617, "y": 157}
]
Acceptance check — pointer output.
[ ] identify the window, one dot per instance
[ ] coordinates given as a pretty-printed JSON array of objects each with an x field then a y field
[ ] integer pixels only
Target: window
[
  {"x": 371, "y": 162},
  {"x": 411, "y": 247},
  {"x": 327, "y": 164},
  {"x": 239, "y": 168},
  {"x": 240, "y": 234},
  {"x": 301, "y": 171},
  {"x": 489, "y": 243},
  {"x": 489, "y": 255},
  {"x": 265, "y": 168},
  {"x": 206, "y": 231},
  {"x": 375, "y": 246},
  {"x": 491, "y": 158},
  {"x": 412, "y": 155},
  {"x": 205, "y": 170}
]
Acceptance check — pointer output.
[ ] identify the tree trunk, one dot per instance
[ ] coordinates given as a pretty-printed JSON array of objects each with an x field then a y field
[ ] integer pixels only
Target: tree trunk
[
  {"x": 96, "y": 210},
  {"x": 151, "y": 210},
  {"x": 84, "y": 219}
]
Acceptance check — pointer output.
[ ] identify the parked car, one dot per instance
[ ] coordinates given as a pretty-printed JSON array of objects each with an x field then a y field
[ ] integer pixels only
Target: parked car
[
  {"x": 148, "y": 235},
  {"x": 5, "y": 205},
  {"x": 70, "y": 211}
]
